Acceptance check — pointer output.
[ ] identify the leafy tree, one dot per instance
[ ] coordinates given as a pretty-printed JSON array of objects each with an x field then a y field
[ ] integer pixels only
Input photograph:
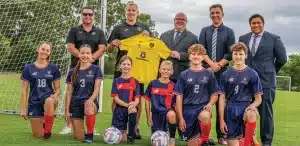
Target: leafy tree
[{"x": 292, "y": 69}]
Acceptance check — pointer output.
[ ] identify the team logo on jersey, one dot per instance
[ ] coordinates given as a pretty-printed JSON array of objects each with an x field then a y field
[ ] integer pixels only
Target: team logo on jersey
[
  {"x": 151, "y": 45},
  {"x": 49, "y": 75},
  {"x": 139, "y": 29},
  {"x": 80, "y": 32},
  {"x": 245, "y": 80},
  {"x": 143, "y": 55},
  {"x": 90, "y": 75},
  {"x": 156, "y": 91},
  {"x": 204, "y": 80},
  {"x": 119, "y": 86},
  {"x": 94, "y": 33},
  {"x": 190, "y": 80},
  {"x": 34, "y": 74},
  {"x": 139, "y": 46},
  {"x": 49, "y": 72},
  {"x": 30, "y": 113},
  {"x": 126, "y": 29},
  {"x": 231, "y": 79}
]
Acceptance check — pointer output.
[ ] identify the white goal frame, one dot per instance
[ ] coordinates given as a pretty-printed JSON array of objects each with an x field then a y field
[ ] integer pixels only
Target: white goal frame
[{"x": 290, "y": 81}]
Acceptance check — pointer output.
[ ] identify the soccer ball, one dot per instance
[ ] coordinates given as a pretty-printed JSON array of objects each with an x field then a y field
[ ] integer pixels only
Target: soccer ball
[
  {"x": 112, "y": 135},
  {"x": 159, "y": 138}
]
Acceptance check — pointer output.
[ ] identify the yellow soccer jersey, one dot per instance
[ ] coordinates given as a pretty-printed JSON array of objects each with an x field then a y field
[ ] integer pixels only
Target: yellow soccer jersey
[{"x": 145, "y": 52}]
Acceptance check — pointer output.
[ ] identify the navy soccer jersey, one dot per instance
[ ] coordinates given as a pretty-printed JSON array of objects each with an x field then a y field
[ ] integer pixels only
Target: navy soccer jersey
[
  {"x": 161, "y": 96},
  {"x": 125, "y": 89},
  {"x": 240, "y": 85},
  {"x": 196, "y": 87},
  {"x": 41, "y": 81},
  {"x": 85, "y": 83}
]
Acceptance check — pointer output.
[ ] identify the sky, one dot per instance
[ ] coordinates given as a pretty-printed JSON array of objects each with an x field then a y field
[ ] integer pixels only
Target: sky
[{"x": 282, "y": 17}]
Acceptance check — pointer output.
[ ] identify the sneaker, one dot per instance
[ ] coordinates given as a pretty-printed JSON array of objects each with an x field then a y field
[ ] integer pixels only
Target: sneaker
[
  {"x": 137, "y": 134},
  {"x": 66, "y": 130},
  {"x": 88, "y": 138},
  {"x": 222, "y": 141},
  {"x": 130, "y": 140},
  {"x": 96, "y": 133},
  {"x": 47, "y": 135}
]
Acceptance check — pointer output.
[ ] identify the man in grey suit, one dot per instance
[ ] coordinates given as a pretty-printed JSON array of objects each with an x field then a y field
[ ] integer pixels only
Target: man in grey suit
[
  {"x": 267, "y": 55},
  {"x": 178, "y": 40}
]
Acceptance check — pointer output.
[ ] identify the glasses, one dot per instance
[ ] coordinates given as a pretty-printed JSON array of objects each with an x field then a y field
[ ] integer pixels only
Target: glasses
[{"x": 86, "y": 14}]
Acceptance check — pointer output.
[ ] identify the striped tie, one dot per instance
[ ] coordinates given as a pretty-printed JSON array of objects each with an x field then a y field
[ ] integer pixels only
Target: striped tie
[{"x": 214, "y": 45}]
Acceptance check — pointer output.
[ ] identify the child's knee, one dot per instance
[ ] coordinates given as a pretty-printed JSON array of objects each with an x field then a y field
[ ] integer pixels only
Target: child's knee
[
  {"x": 251, "y": 116},
  {"x": 49, "y": 101},
  {"x": 204, "y": 116},
  {"x": 89, "y": 109},
  {"x": 171, "y": 116}
]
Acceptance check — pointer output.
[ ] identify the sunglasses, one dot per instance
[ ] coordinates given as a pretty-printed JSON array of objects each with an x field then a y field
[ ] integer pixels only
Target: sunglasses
[{"x": 86, "y": 14}]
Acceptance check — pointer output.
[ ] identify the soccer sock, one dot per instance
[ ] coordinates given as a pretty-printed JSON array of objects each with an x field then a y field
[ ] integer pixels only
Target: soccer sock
[
  {"x": 249, "y": 131},
  {"x": 172, "y": 130},
  {"x": 48, "y": 120},
  {"x": 131, "y": 124},
  {"x": 90, "y": 123},
  {"x": 205, "y": 131}
]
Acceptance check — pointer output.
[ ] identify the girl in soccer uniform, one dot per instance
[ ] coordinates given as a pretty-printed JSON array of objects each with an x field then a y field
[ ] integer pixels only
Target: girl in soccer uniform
[
  {"x": 238, "y": 112},
  {"x": 40, "y": 76},
  {"x": 126, "y": 94},
  {"x": 197, "y": 91},
  {"x": 82, "y": 92},
  {"x": 160, "y": 94}
]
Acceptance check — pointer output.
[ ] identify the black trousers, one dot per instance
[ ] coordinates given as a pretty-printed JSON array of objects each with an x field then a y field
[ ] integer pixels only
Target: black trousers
[{"x": 266, "y": 116}]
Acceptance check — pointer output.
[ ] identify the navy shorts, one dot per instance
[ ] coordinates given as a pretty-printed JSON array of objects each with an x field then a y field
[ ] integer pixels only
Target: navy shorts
[
  {"x": 120, "y": 118},
  {"x": 160, "y": 121},
  {"x": 36, "y": 110},
  {"x": 77, "y": 109},
  {"x": 234, "y": 118},
  {"x": 190, "y": 115}
]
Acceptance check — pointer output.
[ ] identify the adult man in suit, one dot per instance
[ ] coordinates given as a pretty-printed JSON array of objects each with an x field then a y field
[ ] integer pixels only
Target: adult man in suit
[
  {"x": 178, "y": 40},
  {"x": 267, "y": 55},
  {"x": 217, "y": 39}
]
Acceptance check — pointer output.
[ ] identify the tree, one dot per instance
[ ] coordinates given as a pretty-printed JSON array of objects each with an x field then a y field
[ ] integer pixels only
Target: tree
[{"x": 292, "y": 69}]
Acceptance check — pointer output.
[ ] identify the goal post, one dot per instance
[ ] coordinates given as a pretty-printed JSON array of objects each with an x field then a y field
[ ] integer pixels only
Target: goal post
[
  {"x": 284, "y": 83},
  {"x": 23, "y": 24}
]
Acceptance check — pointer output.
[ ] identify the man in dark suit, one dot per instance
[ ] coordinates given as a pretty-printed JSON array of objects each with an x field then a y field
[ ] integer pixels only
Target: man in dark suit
[
  {"x": 267, "y": 55},
  {"x": 217, "y": 39},
  {"x": 178, "y": 40}
]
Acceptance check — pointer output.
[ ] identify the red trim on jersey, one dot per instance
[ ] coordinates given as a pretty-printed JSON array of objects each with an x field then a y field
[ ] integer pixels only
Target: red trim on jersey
[
  {"x": 137, "y": 96},
  {"x": 147, "y": 98},
  {"x": 169, "y": 96},
  {"x": 260, "y": 93},
  {"x": 128, "y": 86},
  {"x": 114, "y": 95}
]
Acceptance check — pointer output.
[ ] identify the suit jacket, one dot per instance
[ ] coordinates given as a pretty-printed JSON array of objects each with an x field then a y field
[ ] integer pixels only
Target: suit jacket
[
  {"x": 270, "y": 56},
  {"x": 181, "y": 45}
]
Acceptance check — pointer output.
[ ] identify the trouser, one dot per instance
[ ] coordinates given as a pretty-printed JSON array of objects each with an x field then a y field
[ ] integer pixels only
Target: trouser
[
  {"x": 218, "y": 130},
  {"x": 266, "y": 116}
]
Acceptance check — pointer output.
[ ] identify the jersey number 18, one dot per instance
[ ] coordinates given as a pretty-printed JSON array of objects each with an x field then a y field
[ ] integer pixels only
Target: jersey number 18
[{"x": 42, "y": 83}]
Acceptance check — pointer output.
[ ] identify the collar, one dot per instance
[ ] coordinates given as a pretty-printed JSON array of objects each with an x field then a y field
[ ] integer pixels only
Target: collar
[
  {"x": 136, "y": 23},
  {"x": 93, "y": 28},
  {"x": 260, "y": 34},
  {"x": 178, "y": 31},
  {"x": 220, "y": 27}
]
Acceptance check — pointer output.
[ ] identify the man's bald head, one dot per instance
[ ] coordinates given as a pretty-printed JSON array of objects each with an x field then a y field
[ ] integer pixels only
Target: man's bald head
[{"x": 180, "y": 21}]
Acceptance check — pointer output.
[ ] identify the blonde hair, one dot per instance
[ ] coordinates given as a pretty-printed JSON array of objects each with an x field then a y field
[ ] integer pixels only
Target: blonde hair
[
  {"x": 167, "y": 62},
  {"x": 131, "y": 3},
  {"x": 197, "y": 48}
]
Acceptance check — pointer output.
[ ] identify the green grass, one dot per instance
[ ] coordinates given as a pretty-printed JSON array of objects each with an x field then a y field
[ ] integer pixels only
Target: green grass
[{"x": 15, "y": 131}]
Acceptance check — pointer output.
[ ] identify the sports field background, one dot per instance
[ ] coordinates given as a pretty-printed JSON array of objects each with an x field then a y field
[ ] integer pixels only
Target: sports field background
[{"x": 15, "y": 131}]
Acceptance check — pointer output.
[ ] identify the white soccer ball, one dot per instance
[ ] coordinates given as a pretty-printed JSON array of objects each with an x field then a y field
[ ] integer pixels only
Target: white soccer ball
[
  {"x": 159, "y": 138},
  {"x": 112, "y": 135}
]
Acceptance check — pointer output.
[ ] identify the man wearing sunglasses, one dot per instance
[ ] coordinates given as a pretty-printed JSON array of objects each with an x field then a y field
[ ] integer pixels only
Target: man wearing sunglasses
[{"x": 86, "y": 33}]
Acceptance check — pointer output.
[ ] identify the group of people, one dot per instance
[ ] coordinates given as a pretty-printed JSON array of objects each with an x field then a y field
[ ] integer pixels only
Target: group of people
[{"x": 195, "y": 77}]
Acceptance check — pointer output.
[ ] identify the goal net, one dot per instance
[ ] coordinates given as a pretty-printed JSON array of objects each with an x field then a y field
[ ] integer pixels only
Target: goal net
[
  {"x": 284, "y": 83},
  {"x": 23, "y": 24}
]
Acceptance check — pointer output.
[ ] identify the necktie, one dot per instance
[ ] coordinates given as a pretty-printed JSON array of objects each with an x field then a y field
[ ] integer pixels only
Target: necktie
[
  {"x": 253, "y": 50},
  {"x": 214, "y": 45},
  {"x": 177, "y": 35}
]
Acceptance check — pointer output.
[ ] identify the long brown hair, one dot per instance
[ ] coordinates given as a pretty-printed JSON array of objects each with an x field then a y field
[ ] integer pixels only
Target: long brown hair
[
  {"x": 44, "y": 42},
  {"x": 77, "y": 67}
]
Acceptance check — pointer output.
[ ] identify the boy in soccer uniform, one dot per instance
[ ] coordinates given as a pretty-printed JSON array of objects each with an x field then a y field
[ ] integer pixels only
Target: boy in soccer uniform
[
  {"x": 239, "y": 85},
  {"x": 197, "y": 91},
  {"x": 126, "y": 93},
  {"x": 160, "y": 94},
  {"x": 40, "y": 76},
  {"x": 83, "y": 85}
]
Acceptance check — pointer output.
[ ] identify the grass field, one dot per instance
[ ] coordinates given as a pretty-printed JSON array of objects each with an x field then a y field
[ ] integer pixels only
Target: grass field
[{"x": 15, "y": 131}]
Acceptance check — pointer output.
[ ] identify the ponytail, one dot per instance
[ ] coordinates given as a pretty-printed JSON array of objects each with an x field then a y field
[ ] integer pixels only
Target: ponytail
[{"x": 75, "y": 73}]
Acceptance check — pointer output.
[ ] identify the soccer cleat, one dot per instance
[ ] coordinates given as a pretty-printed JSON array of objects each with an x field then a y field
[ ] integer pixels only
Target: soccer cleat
[
  {"x": 96, "y": 133},
  {"x": 66, "y": 130},
  {"x": 47, "y": 135},
  {"x": 222, "y": 141},
  {"x": 211, "y": 142},
  {"x": 88, "y": 138},
  {"x": 130, "y": 140},
  {"x": 137, "y": 134}
]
